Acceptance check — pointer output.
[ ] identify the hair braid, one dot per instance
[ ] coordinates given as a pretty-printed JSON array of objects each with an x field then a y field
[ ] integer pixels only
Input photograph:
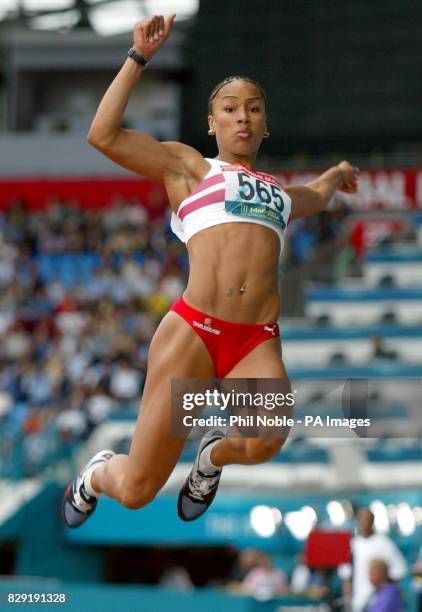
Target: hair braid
[{"x": 229, "y": 80}]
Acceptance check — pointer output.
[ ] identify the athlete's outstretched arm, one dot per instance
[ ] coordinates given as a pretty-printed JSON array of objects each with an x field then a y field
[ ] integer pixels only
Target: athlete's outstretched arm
[
  {"x": 134, "y": 150},
  {"x": 312, "y": 198}
]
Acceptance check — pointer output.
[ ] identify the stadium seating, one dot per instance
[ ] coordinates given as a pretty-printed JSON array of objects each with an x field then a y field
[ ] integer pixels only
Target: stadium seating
[{"x": 306, "y": 345}]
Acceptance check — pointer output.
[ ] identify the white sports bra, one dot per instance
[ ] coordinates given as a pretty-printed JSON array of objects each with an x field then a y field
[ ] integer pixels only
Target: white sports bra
[{"x": 231, "y": 193}]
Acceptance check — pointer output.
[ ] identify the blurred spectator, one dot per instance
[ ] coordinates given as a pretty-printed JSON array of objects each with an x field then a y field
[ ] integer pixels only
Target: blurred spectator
[
  {"x": 357, "y": 240},
  {"x": 366, "y": 546},
  {"x": 300, "y": 576},
  {"x": 379, "y": 350},
  {"x": 247, "y": 559},
  {"x": 177, "y": 578},
  {"x": 33, "y": 423},
  {"x": 417, "y": 581},
  {"x": 303, "y": 240},
  {"x": 17, "y": 342},
  {"x": 387, "y": 595},
  {"x": 99, "y": 405},
  {"x": 6, "y": 403},
  {"x": 125, "y": 381},
  {"x": 71, "y": 423},
  {"x": 264, "y": 581},
  {"x": 304, "y": 581}
]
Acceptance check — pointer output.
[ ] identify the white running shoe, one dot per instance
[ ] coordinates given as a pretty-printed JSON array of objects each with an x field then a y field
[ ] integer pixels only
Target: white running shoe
[
  {"x": 77, "y": 505},
  {"x": 199, "y": 490}
]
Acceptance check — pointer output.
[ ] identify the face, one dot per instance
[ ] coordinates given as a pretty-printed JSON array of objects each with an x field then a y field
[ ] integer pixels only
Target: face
[
  {"x": 238, "y": 118},
  {"x": 377, "y": 573},
  {"x": 365, "y": 521},
  {"x": 248, "y": 558}
]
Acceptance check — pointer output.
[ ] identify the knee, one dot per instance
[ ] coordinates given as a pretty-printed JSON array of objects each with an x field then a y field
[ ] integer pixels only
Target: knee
[
  {"x": 137, "y": 494},
  {"x": 263, "y": 449}
]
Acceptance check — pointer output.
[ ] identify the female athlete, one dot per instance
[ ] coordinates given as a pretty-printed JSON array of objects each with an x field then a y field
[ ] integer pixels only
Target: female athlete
[{"x": 232, "y": 220}]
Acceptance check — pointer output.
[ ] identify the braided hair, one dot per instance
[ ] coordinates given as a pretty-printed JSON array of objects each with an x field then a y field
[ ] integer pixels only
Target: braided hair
[{"x": 229, "y": 80}]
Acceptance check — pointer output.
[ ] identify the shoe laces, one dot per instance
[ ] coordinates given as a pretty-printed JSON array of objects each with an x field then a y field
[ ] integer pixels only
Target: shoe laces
[
  {"x": 79, "y": 501},
  {"x": 201, "y": 486}
]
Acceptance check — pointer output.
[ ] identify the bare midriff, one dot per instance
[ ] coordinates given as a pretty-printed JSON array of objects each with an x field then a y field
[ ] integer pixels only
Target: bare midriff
[{"x": 234, "y": 273}]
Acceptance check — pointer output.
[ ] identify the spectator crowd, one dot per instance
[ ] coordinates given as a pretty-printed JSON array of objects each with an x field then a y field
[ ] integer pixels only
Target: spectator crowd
[{"x": 81, "y": 293}]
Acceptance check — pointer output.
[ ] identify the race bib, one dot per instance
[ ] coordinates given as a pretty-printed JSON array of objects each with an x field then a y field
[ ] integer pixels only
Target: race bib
[{"x": 255, "y": 195}]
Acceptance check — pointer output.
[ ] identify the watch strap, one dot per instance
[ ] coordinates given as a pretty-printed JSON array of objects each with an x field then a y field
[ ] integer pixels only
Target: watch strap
[{"x": 139, "y": 59}]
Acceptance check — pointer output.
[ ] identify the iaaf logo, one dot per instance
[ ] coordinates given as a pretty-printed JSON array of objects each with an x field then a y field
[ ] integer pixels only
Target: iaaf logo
[{"x": 206, "y": 326}]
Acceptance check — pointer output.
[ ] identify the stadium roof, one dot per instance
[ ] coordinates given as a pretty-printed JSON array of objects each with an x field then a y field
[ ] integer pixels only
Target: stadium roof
[{"x": 106, "y": 17}]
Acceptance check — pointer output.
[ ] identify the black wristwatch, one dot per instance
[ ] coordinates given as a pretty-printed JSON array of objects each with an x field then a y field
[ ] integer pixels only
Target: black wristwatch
[{"x": 139, "y": 59}]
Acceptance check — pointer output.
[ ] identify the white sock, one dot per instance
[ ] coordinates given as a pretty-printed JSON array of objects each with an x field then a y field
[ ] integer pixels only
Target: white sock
[
  {"x": 87, "y": 481},
  {"x": 205, "y": 464}
]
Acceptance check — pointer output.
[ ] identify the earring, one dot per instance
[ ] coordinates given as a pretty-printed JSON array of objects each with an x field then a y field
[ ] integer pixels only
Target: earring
[
  {"x": 211, "y": 132},
  {"x": 266, "y": 134}
]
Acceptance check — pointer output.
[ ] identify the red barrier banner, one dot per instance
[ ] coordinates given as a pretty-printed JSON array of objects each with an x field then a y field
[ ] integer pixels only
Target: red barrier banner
[
  {"x": 95, "y": 192},
  {"x": 396, "y": 190}
]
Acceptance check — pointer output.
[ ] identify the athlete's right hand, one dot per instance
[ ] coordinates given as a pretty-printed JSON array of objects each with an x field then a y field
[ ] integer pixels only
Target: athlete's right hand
[{"x": 150, "y": 35}]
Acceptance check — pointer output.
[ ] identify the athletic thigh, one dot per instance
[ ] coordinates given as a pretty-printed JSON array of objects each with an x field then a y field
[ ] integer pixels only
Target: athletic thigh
[
  {"x": 264, "y": 361},
  {"x": 176, "y": 351}
]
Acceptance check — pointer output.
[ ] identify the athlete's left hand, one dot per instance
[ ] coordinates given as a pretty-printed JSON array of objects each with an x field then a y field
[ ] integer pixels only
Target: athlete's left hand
[{"x": 349, "y": 177}]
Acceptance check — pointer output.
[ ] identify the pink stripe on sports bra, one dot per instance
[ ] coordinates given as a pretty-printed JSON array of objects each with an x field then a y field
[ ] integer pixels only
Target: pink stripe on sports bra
[
  {"x": 210, "y": 198},
  {"x": 208, "y": 182}
]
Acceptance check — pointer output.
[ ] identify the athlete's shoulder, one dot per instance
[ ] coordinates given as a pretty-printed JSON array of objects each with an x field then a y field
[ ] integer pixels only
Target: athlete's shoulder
[
  {"x": 193, "y": 168},
  {"x": 193, "y": 161}
]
